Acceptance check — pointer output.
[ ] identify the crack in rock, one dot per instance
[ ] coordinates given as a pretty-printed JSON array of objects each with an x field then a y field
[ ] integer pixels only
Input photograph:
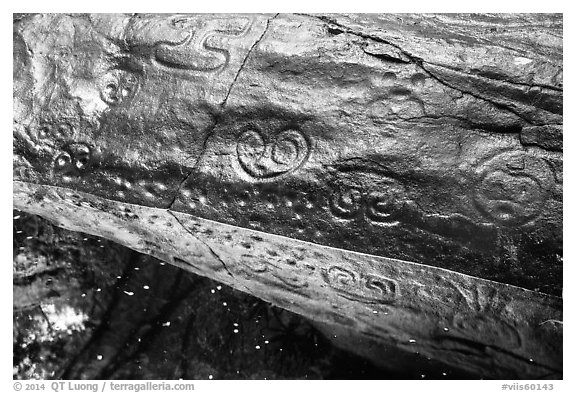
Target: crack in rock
[
  {"x": 246, "y": 59},
  {"x": 418, "y": 62},
  {"x": 204, "y": 243},
  {"x": 216, "y": 116}
]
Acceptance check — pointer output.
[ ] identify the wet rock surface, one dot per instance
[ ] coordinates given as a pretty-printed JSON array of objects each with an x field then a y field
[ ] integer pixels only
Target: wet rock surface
[
  {"x": 88, "y": 308},
  {"x": 434, "y": 139}
]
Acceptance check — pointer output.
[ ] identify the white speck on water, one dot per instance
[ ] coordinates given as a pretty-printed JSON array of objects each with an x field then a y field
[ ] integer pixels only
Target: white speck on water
[
  {"x": 423, "y": 376},
  {"x": 235, "y": 330},
  {"x": 118, "y": 276},
  {"x": 162, "y": 263},
  {"x": 18, "y": 231},
  {"x": 266, "y": 342},
  {"x": 139, "y": 339},
  {"x": 136, "y": 268},
  {"x": 146, "y": 287},
  {"x": 165, "y": 324},
  {"x": 99, "y": 357},
  {"x": 85, "y": 239},
  {"x": 335, "y": 336},
  {"x": 412, "y": 341},
  {"x": 257, "y": 347},
  {"x": 531, "y": 360},
  {"x": 83, "y": 295},
  {"x": 224, "y": 304},
  {"x": 445, "y": 329},
  {"x": 210, "y": 376},
  {"x": 280, "y": 349},
  {"x": 16, "y": 217},
  {"x": 99, "y": 290},
  {"x": 374, "y": 312},
  {"x": 212, "y": 291},
  {"x": 444, "y": 374},
  {"x": 219, "y": 287},
  {"x": 29, "y": 237},
  {"x": 129, "y": 293},
  {"x": 235, "y": 324}
]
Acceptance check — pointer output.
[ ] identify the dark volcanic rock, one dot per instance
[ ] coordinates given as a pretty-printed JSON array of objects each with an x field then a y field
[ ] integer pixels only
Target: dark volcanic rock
[{"x": 434, "y": 139}]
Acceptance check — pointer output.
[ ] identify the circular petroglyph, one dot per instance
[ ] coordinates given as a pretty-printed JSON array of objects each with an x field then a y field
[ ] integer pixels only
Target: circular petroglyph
[
  {"x": 118, "y": 86},
  {"x": 381, "y": 205},
  {"x": 512, "y": 186},
  {"x": 346, "y": 204},
  {"x": 73, "y": 160},
  {"x": 265, "y": 158},
  {"x": 340, "y": 278}
]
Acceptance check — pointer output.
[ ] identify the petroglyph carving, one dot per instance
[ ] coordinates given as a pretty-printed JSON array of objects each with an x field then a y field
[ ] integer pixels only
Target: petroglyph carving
[
  {"x": 512, "y": 187},
  {"x": 74, "y": 160},
  {"x": 203, "y": 48},
  {"x": 365, "y": 288},
  {"x": 118, "y": 86},
  {"x": 346, "y": 204},
  {"x": 265, "y": 158},
  {"x": 377, "y": 207},
  {"x": 474, "y": 326}
]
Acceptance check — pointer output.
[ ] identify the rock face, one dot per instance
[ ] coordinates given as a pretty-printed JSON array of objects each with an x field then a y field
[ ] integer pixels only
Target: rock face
[{"x": 434, "y": 140}]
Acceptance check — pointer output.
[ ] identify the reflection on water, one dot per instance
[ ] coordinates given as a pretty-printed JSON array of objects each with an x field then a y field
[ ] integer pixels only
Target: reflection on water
[{"x": 87, "y": 308}]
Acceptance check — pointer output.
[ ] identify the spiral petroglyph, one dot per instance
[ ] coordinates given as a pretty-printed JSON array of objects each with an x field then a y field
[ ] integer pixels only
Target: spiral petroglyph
[
  {"x": 365, "y": 288},
  {"x": 512, "y": 187},
  {"x": 266, "y": 158},
  {"x": 204, "y": 47}
]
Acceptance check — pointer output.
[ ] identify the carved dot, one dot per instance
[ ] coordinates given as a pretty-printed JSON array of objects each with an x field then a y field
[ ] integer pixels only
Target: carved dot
[
  {"x": 126, "y": 92},
  {"x": 418, "y": 79},
  {"x": 81, "y": 162},
  {"x": 63, "y": 160}
]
